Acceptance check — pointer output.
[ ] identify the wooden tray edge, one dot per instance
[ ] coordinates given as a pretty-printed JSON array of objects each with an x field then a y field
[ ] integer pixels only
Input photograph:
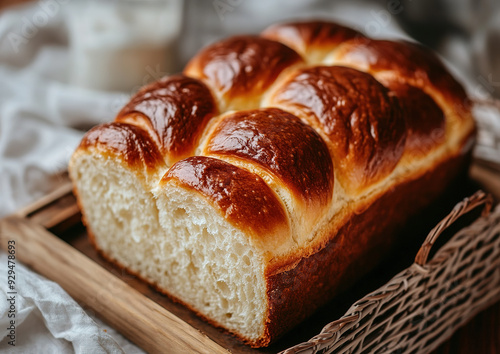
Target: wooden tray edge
[{"x": 135, "y": 316}]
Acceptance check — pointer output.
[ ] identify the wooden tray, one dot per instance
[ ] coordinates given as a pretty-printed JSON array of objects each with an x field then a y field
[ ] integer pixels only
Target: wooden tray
[{"x": 52, "y": 241}]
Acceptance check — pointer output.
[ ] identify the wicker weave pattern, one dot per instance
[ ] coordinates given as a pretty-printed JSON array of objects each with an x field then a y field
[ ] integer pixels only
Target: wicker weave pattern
[{"x": 423, "y": 305}]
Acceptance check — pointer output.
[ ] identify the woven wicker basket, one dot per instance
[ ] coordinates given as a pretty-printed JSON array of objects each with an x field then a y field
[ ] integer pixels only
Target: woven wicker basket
[{"x": 423, "y": 305}]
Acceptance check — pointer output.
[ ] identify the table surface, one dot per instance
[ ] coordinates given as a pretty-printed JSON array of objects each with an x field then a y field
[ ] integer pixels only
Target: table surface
[{"x": 480, "y": 335}]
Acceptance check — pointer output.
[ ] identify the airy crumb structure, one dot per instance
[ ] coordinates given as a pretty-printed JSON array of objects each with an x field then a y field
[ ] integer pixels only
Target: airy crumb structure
[{"x": 172, "y": 238}]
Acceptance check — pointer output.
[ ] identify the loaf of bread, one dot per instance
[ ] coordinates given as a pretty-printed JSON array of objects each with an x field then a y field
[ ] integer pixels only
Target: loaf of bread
[{"x": 273, "y": 172}]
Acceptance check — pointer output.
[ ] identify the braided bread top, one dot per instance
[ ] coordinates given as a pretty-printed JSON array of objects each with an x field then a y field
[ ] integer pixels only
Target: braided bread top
[{"x": 303, "y": 116}]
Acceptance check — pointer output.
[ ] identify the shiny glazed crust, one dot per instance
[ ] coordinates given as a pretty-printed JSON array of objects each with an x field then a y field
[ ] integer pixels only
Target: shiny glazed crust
[
  {"x": 290, "y": 150},
  {"x": 361, "y": 122},
  {"x": 314, "y": 140},
  {"x": 175, "y": 121},
  {"x": 244, "y": 198}
]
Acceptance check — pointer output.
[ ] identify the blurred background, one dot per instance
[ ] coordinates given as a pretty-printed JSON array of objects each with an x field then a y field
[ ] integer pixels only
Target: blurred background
[
  {"x": 147, "y": 32},
  {"x": 106, "y": 38},
  {"x": 66, "y": 65}
]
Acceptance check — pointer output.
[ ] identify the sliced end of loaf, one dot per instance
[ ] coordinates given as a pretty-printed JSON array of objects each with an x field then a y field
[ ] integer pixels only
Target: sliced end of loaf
[
  {"x": 172, "y": 237},
  {"x": 210, "y": 264}
]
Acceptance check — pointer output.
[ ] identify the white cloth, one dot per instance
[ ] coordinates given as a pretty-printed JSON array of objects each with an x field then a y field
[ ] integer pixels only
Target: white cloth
[
  {"x": 39, "y": 111},
  {"x": 42, "y": 118},
  {"x": 47, "y": 320}
]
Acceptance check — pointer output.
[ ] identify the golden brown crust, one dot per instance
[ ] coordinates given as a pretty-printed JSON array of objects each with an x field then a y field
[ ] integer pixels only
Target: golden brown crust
[
  {"x": 407, "y": 62},
  {"x": 313, "y": 40},
  {"x": 174, "y": 110},
  {"x": 363, "y": 123},
  {"x": 126, "y": 142},
  {"x": 241, "y": 68},
  {"x": 366, "y": 236},
  {"x": 242, "y": 197},
  {"x": 282, "y": 144},
  {"x": 425, "y": 121}
]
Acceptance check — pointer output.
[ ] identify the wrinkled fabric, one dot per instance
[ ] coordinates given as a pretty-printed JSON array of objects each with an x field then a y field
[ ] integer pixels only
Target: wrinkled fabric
[
  {"x": 48, "y": 320},
  {"x": 40, "y": 113}
]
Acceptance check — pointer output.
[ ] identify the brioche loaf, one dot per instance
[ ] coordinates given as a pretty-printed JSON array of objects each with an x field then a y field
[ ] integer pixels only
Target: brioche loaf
[{"x": 275, "y": 170}]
